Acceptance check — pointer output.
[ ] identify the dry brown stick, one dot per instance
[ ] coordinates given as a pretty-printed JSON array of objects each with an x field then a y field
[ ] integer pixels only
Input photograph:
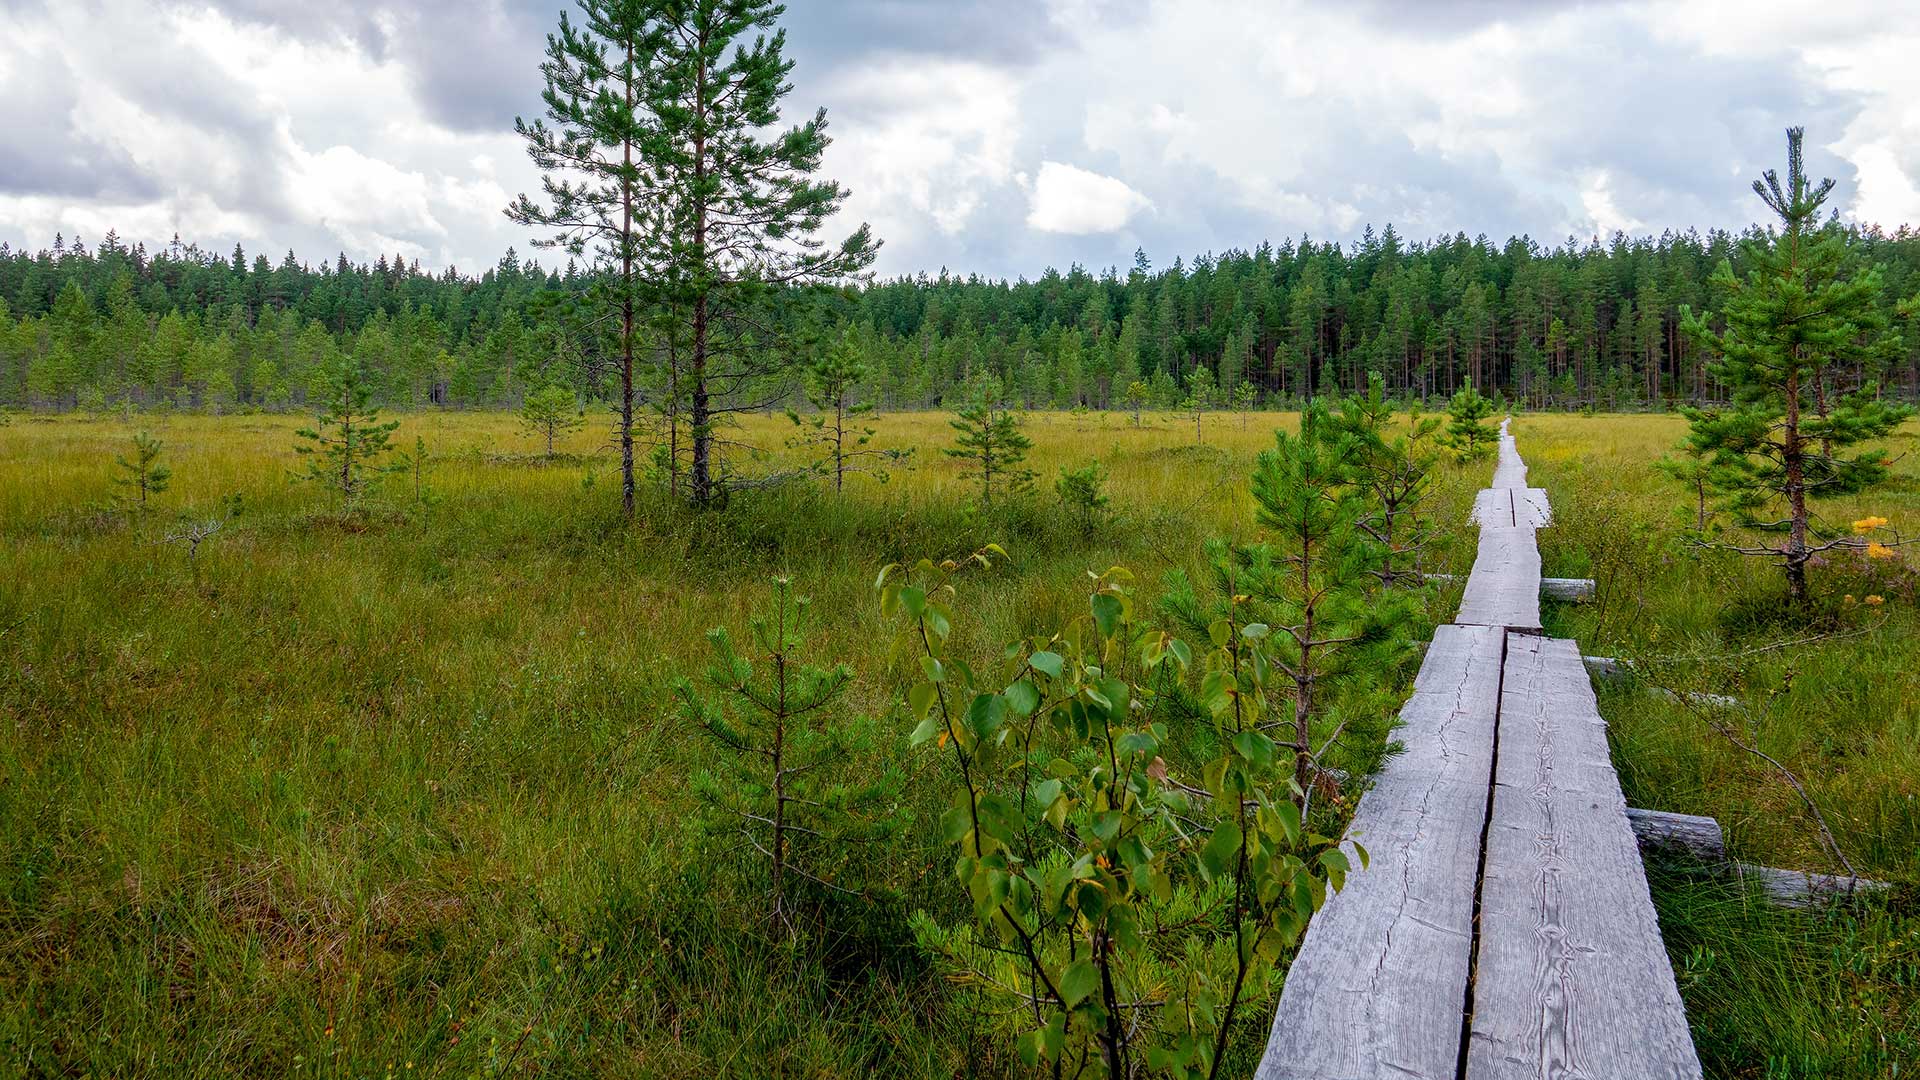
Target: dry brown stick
[{"x": 1726, "y": 733}]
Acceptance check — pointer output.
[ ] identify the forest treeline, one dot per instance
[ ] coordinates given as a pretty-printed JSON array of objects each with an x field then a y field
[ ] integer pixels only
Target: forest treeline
[{"x": 1594, "y": 324}]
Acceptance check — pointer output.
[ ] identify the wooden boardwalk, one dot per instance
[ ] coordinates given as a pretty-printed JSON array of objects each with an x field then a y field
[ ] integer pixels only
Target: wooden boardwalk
[{"x": 1503, "y": 929}]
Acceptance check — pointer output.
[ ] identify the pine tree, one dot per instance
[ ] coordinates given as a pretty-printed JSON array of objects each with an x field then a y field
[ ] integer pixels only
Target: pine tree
[
  {"x": 831, "y": 380},
  {"x": 1468, "y": 433},
  {"x": 598, "y": 200},
  {"x": 143, "y": 476},
  {"x": 347, "y": 439},
  {"x": 1314, "y": 583},
  {"x": 1084, "y": 490},
  {"x": 776, "y": 714},
  {"x": 1395, "y": 470},
  {"x": 1136, "y": 395},
  {"x": 732, "y": 209},
  {"x": 991, "y": 448},
  {"x": 550, "y": 412},
  {"x": 1201, "y": 391},
  {"x": 1245, "y": 397},
  {"x": 1801, "y": 320}
]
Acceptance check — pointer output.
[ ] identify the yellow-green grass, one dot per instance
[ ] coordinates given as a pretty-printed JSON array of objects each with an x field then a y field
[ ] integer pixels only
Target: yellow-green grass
[{"x": 410, "y": 786}]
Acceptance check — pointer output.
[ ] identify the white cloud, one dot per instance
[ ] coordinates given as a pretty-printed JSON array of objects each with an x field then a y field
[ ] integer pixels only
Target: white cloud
[
  {"x": 1074, "y": 201},
  {"x": 920, "y": 141},
  {"x": 1604, "y": 216}
]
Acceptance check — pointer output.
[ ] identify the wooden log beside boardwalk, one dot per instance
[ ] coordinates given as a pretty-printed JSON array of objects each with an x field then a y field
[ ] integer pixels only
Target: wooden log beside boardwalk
[{"x": 1504, "y": 928}]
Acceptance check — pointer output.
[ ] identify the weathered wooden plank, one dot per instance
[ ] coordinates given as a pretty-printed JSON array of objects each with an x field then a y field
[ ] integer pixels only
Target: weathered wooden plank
[
  {"x": 1377, "y": 988},
  {"x": 1493, "y": 507},
  {"x": 1504, "y": 587},
  {"x": 1508, "y": 470},
  {"x": 1571, "y": 979},
  {"x": 1660, "y": 832},
  {"x": 1530, "y": 507}
]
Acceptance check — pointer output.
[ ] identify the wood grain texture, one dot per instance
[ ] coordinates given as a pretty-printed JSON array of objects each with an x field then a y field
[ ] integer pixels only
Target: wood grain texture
[
  {"x": 1504, "y": 588},
  {"x": 1804, "y": 889},
  {"x": 1493, "y": 508},
  {"x": 1377, "y": 988},
  {"x": 1571, "y": 980},
  {"x": 1530, "y": 507},
  {"x": 1660, "y": 832}
]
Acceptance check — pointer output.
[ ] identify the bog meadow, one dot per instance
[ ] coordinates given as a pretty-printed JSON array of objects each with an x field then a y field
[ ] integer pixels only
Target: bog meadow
[{"x": 684, "y": 652}]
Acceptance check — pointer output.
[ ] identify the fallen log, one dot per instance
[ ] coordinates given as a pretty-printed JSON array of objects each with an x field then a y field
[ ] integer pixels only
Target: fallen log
[
  {"x": 1609, "y": 669},
  {"x": 1700, "y": 840}
]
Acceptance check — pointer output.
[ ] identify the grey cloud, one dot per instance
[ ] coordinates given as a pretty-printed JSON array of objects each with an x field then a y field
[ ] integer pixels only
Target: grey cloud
[{"x": 44, "y": 152}]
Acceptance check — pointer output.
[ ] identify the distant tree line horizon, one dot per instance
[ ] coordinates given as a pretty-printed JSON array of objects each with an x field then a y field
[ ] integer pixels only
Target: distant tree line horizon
[{"x": 1576, "y": 325}]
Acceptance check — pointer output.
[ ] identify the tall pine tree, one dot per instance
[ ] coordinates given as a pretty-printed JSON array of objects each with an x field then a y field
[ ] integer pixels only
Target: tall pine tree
[
  {"x": 731, "y": 206},
  {"x": 597, "y": 198}
]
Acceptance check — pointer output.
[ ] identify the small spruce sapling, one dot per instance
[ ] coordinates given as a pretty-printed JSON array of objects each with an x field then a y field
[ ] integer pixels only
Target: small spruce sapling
[
  {"x": 344, "y": 446},
  {"x": 991, "y": 447},
  {"x": 142, "y": 476},
  {"x": 783, "y": 792},
  {"x": 1084, "y": 491},
  {"x": 831, "y": 381},
  {"x": 551, "y": 412},
  {"x": 1468, "y": 433}
]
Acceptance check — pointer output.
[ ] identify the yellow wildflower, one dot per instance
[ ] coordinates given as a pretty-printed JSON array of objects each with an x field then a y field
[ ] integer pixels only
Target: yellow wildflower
[
  {"x": 1878, "y": 550},
  {"x": 1875, "y": 601},
  {"x": 1868, "y": 524},
  {"x": 1848, "y": 599}
]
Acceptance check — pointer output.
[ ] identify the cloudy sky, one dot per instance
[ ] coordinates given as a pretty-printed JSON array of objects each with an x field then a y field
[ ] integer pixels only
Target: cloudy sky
[{"x": 990, "y": 136}]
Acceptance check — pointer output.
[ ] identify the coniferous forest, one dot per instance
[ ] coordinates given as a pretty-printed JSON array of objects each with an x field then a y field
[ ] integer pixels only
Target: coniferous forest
[{"x": 1576, "y": 325}]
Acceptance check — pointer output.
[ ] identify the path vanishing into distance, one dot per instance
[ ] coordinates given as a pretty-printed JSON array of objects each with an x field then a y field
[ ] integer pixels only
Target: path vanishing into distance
[{"x": 1503, "y": 929}]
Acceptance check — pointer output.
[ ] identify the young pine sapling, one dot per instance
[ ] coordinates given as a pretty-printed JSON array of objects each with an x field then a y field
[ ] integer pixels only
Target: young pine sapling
[
  {"x": 344, "y": 446},
  {"x": 1394, "y": 470},
  {"x": 1136, "y": 396},
  {"x": 1245, "y": 397},
  {"x": 1799, "y": 328},
  {"x": 550, "y": 412},
  {"x": 834, "y": 433},
  {"x": 784, "y": 791},
  {"x": 142, "y": 476},
  {"x": 1201, "y": 391},
  {"x": 1468, "y": 433},
  {"x": 991, "y": 447},
  {"x": 1084, "y": 491}
]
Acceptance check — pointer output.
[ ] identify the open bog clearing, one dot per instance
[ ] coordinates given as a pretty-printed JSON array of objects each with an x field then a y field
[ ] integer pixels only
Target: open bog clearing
[{"x": 409, "y": 791}]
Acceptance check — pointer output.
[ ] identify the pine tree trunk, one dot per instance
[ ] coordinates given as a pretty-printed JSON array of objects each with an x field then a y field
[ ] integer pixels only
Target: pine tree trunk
[
  {"x": 1793, "y": 458},
  {"x": 702, "y": 479},
  {"x": 626, "y": 312}
]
